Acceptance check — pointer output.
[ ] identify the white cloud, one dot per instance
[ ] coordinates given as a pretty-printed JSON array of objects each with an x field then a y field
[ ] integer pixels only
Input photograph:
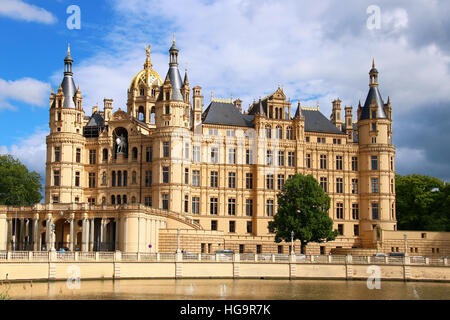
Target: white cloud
[
  {"x": 19, "y": 10},
  {"x": 31, "y": 151},
  {"x": 26, "y": 90}
]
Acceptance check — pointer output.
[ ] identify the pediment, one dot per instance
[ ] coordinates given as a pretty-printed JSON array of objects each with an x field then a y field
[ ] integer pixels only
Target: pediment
[{"x": 120, "y": 115}]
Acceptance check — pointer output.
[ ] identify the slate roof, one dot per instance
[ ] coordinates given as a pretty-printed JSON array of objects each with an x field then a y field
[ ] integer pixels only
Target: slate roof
[
  {"x": 222, "y": 113},
  {"x": 315, "y": 121},
  {"x": 175, "y": 81},
  {"x": 96, "y": 120},
  {"x": 373, "y": 95}
]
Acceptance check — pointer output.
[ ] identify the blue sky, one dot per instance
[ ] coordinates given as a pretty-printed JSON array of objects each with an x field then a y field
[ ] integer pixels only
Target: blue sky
[{"x": 317, "y": 51}]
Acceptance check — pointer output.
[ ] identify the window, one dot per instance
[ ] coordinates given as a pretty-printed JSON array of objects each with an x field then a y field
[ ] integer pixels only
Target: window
[
  {"x": 119, "y": 178},
  {"x": 354, "y": 163},
  {"x": 148, "y": 178},
  {"x": 186, "y": 176},
  {"x": 57, "y": 154},
  {"x": 269, "y": 182},
  {"x": 105, "y": 154},
  {"x": 196, "y": 153},
  {"x": 392, "y": 163},
  {"x": 374, "y": 211},
  {"x": 307, "y": 139},
  {"x": 213, "y": 224},
  {"x": 338, "y": 162},
  {"x": 308, "y": 161},
  {"x": 354, "y": 186},
  {"x": 78, "y": 155},
  {"x": 356, "y": 230},
  {"x": 231, "y": 156},
  {"x": 281, "y": 158},
  {"x": 339, "y": 210},
  {"x": 186, "y": 150},
  {"x": 149, "y": 154},
  {"x": 92, "y": 156},
  {"x": 167, "y": 108},
  {"x": 374, "y": 161},
  {"x": 320, "y": 140},
  {"x": 113, "y": 199},
  {"x": 186, "y": 203},
  {"x": 165, "y": 171},
  {"x": 195, "y": 205},
  {"x": 232, "y": 226},
  {"x": 291, "y": 159},
  {"x": 323, "y": 161},
  {"x": 249, "y": 227},
  {"x": 341, "y": 229},
  {"x": 249, "y": 207},
  {"x": 213, "y": 132},
  {"x": 231, "y": 179},
  {"x": 279, "y": 132},
  {"x": 91, "y": 179},
  {"x": 280, "y": 249},
  {"x": 374, "y": 185},
  {"x": 289, "y": 133},
  {"x": 355, "y": 211},
  {"x": 268, "y": 132},
  {"x": 231, "y": 207},
  {"x": 337, "y": 141},
  {"x": 393, "y": 211},
  {"x": 339, "y": 185},
  {"x": 230, "y": 133},
  {"x": 241, "y": 248},
  {"x": 269, "y": 158},
  {"x": 374, "y": 139},
  {"x": 165, "y": 201},
  {"x": 213, "y": 205},
  {"x": 269, "y": 208},
  {"x": 280, "y": 181},
  {"x": 248, "y": 156},
  {"x": 196, "y": 178},
  {"x": 323, "y": 183},
  {"x": 214, "y": 179},
  {"x": 392, "y": 185},
  {"x": 374, "y": 126},
  {"x": 258, "y": 249},
  {"x": 125, "y": 178},
  {"x": 214, "y": 155},
  {"x": 124, "y": 197},
  {"x": 113, "y": 178},
  {"x": 249, "y": 180},
  {"x": 135, "y": 153},
  {"x": 148, "y": 201},
  {"x": 77, "y": 179},
  {"x": 166, "y": 149},
  {"x": 56, "y": 178}
]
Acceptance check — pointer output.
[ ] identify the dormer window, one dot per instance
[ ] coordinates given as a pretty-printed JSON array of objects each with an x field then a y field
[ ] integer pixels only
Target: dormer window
[{"x": 142, "y": 91}]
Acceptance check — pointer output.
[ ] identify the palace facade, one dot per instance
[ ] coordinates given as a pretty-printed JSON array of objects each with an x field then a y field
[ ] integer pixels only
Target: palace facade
[{"x": 168, "y": 174}]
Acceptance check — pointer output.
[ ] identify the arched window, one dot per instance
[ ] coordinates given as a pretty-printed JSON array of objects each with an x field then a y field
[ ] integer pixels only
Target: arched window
[
  {"x": 119, "y": 200},
  {"x": 142, "y": 91},
  {"x": 279, "y": 132},
  {"x": 276, "y": 113},
  {"x": 152, "y": 116},
  {"x": 268, "y": 132},
  {"x": 289, "y": 133},
  {"x": 133, "y": 199},
  {"x": 141, "y": 113},
  {"x": 124, "y": 198},
  {"x": 113, "y": 179},
  {"x": 103, "y": 200},
  {"x": 133, "y": 177},
  {"x": 113, "y": 199},
  {"x": 135, "y": 153}
]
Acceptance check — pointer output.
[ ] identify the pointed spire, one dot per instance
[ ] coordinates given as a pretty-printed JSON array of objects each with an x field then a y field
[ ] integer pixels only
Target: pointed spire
[
  {"x": 68, "y": 49},
  {"x": 373, "y": 63},
  {"x": 260, "y": 109},
  {"x": 186, "y": 80},
  {"x": 298, "y": 113},
  {"x": 389, "y": 100}
]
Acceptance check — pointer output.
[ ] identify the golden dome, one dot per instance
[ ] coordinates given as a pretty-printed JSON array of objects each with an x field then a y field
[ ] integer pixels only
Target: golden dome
[{"x": 148, "y": 76}]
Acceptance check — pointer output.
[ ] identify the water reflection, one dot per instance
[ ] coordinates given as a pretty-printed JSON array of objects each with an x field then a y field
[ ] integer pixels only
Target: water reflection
[{"x": 243, "y": 289}]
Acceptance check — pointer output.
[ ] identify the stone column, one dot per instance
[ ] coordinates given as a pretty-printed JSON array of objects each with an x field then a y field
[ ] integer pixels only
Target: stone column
[
  {"x": 125, "y": 235},
  {"x": 9, "y": 239},
  {"x": 87, "y": 245},
  {"x": 71, "y": 236},
  {"x": 117, "y": 222},
  {"x": 22, "y": 231},
  {"x": 48, "y": 230},
  {"x": 102, "y": 226},
  {"x": 36, "y": 234},
  {"x": 91, "y": 234},
  {"x": 83, "y": 236},
  {"x": 26, "y": 235}
]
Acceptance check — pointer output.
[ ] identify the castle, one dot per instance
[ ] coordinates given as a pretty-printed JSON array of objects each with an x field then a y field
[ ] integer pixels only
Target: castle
[{"x": 167, "y": 174}]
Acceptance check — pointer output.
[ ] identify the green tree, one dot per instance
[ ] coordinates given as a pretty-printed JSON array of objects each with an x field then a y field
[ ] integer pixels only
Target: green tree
[
  {"x": 303, "y": 208},
  {"x": 422, "y": 203},
  {"x": 18, "y": 186}
]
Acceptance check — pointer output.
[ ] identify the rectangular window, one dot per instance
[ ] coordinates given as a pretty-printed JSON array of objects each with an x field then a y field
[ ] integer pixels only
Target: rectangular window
[
  {"x": 339, "y": 210},
  {"x": 186, "y": 176},
  {"x": 248, "y": 156},
  {"x": 356, "y": 230},
  {"x": 323, "y": 161},
  {"x": 249, "y": 180},
  {"x": 375, "y": 211},
  {"x": 231, "y": 156},
  {"x": 214, "y": 155},
  {"x": 166, "y": 149},
  {"x": 165, "y": 171},
  {"x": 269, "y": 182},
  {"x": 269, "y": 208},
  {"x": 355, "y": 211},
  {"x": 125, "y": 178},
  {"x": 354, "y": 186},
  {"x": 92, "y": 156},
  {"x": 241, "y": 248},
  {"x": 338, "y": 162},
  {"x": 213, "y": 224},
  {"x": 213, "y": 205},
  {"x": 196, "y": 178},
  {"x": 231, "y": 179},
  {"x": 55, "y": 199},
  {"x": 232, "y": 226},
  {"x": 392, "y": 163},
  {"x": 249, "y": 207},
  {"x": 148, "y": 178},
  {"x": 341, "y": 229},
  {"x": 258, "y": 249},
  {"x": 165, "y": 201},
  {"x": 57, "y": 154},
  {"x": 280, "y": 181},
  {"x": 354, "y": 163},
  {"x": 281, "y": 158},
  {"x": 186, "y": 150},
  {"x": 149, "y": 154},
  {"x": 249, "y": 227},
  {"x": 374, "y": 161},
  {"x": 214, "y": 179},
  {"x": 231, "y": 207},
  {"x": 308, "y": 161},
  {"x": 186, "y": 203},
  {"x": 291, "y": 159},
  {"x": 339, "y": 185},
  {"x": 56, "y": 178},
  {"x": 91, "y": 179},
  {"x": 119, "y": 178},
  {"x": 213, "y": 132},
  {"x": 230, "y": 133},
  {"x": 195, "y": 205},
  {"x": 374, "y": 185},
  {"x": 196, "y": 154},
  {"x": 78, "y": 155},
  {"x": 323, "y": 183},
  {"x": 148, "y": 201},
  {"x": 269, "y": 158},
  {"x": 77, "y": 179}
]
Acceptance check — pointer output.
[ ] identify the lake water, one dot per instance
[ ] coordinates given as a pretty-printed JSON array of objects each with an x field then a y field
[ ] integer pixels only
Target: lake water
[{"x": 241, "y": 289}]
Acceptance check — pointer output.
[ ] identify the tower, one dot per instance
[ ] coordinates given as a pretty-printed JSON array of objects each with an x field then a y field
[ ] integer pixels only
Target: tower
[
  {"x": 336, "y": 114},
  {"x": 349, "y": 123},
  {"x": 65, "y": 143},
  {"x": 198, "y": 106},
  {"x": 376, "y": 154}
]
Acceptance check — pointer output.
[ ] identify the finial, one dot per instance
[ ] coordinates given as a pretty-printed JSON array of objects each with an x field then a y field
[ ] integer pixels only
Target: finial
[
  {"x": 148, "y": 62},
  {"x": 373, "y": 63},
  {"x": 231, "y": 97},
  {"x": 68, "y": 49},
  {"x": 52, "y": 90},
  {"x": 212, "y": 95},
  {"x": 148, "y": 51},
  {"x": 186, "y": 66},
  {"x": 174, "y": 38}
]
